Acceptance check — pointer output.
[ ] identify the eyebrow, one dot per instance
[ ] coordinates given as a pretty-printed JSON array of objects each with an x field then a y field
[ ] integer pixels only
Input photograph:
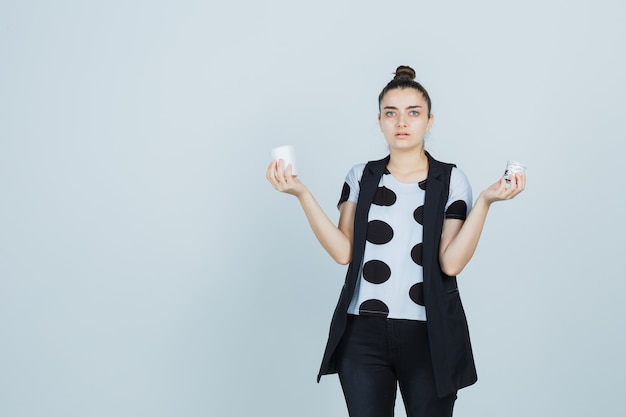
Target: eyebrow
[{"x": 395, "y": 108}]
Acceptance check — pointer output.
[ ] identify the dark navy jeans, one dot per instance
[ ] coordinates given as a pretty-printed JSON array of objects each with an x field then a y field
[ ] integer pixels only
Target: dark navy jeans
[{"x": 375, "y": 355}]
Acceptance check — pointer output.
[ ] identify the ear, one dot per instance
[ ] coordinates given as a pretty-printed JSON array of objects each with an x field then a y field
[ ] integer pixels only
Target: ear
[
  {"x": 431, "y": 120},
  {"x": 378, "y": 119}
]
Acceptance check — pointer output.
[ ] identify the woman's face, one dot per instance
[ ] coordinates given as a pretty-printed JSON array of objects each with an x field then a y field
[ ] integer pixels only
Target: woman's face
[{"x": 404, "y": 119}]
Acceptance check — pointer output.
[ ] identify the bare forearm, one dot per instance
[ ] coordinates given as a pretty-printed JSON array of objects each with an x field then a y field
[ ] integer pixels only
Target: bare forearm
[
  {"x": 332, "y": 239},
  {"x": 456, "y": 255},
  {"x": 459, "y": 241}
]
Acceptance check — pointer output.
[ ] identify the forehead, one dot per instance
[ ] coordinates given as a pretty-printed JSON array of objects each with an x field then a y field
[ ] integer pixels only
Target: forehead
[{"x": 403, "y": 97}]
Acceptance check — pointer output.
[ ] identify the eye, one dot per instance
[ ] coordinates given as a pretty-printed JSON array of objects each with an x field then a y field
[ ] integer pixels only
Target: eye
[
  {"x": 390, "y": 113},
  {"x": 414, "y": 113}
]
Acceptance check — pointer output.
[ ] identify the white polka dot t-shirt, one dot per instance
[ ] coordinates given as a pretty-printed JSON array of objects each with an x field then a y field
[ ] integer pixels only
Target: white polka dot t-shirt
[{"x": 390, "y": 281}]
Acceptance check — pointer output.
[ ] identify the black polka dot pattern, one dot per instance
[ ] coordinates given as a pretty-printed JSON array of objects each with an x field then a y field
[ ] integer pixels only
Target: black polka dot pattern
[
  {"x": 391, "y": 276},
  {"x": 345, "y": 193},
  {"x": 379, "y": 232},
  {"x": 418, "y": 215},
  {"x": 373, "y": 308},
  {"x": 457, "y": 210},
  {"x": 384, "y": 197},
  {"x": 376, "y": 272},
  {"x": 416, "y": 254},
  {"x": 417, "y": 293}
]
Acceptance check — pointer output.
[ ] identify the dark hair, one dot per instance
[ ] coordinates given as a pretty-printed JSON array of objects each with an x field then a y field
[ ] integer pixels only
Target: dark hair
[{"x": 405, "y": 78}]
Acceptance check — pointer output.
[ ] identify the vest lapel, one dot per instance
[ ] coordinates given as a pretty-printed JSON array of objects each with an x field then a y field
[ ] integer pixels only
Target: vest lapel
[
  {"x": 434, "y": 205},
  {"x": 368, "y": 185}
]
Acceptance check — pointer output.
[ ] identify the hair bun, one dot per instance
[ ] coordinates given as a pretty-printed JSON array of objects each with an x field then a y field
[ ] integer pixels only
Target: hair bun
[{"x": 404, "y": 72}]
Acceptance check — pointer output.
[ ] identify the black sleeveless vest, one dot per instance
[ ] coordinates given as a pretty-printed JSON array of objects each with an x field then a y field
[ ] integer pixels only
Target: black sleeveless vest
[{"x": 450, "y": 346}]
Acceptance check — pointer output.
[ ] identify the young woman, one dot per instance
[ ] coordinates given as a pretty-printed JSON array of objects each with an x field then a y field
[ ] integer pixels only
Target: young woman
[{"x": 406, "y": 230}]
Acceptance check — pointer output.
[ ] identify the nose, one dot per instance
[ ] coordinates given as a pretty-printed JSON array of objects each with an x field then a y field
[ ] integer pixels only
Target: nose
[{"x": 401, "y": 120}]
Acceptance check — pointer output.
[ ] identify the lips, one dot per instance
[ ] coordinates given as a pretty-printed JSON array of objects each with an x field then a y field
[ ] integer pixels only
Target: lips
[{"x": 402, "y": 135}]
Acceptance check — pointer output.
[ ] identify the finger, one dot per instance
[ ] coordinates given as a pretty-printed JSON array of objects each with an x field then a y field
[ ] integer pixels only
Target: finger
[
  {"x": 518, "y": 187},
  {"x": 512, "y": 186},
  {"x": 521, "y": 184},
  {"x": 503, "y": 185},
  {"x": 269, "y": 174},
  {"x": 288, "y": 172},
  {"x": 518, "y": 180},
  {"x": 274, "y": 175},
  {"x": 522, "y": 181},
  {"x": 279, "y": 173}
]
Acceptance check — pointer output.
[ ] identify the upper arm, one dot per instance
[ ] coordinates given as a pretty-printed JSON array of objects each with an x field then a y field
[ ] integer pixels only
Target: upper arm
[
  {"x": 457, "y": 209},
  {"x": 347, "y": 210},
  {"x": 451, "y": 228}
]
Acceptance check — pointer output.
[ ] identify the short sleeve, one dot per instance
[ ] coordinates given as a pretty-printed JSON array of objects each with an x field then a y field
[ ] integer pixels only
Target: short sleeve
[
  {"x": 459, "y": 201},
  {"x": 352, "y": 185}
]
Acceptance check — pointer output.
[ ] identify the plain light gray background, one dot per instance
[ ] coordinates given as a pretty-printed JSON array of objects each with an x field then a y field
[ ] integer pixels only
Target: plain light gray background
[{"x": 147, "y": 268}]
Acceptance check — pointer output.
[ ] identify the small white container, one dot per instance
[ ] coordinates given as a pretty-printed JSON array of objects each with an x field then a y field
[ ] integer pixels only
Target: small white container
[
  {"x": 513, "y": 167},
  {"x": 288, "y": 154}
]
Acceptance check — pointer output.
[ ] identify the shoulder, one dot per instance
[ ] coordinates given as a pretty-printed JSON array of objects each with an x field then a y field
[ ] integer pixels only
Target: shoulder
[
  {"x": 460, "y": 187},
  {"x": 355, "y": 173},
  {"x": 358, "y": 168},
  {"x": 458, "y": 176},
  {"x": 373, "y": 167},
  {"x": 434, "y": 163},
  {"x": 455, "y": 173}
]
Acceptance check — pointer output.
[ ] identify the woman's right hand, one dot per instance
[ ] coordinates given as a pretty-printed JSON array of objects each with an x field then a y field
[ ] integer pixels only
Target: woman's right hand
[
  {"x": 284, "y": 181},
  {"x": 337, "y": 240}
]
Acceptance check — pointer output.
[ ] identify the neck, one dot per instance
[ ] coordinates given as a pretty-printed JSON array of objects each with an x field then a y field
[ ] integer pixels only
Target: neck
[{"x": 408, "y": 161}]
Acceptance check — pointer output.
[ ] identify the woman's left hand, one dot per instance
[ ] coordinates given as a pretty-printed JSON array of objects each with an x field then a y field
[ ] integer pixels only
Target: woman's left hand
[{"x": 503, "y": 189}]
